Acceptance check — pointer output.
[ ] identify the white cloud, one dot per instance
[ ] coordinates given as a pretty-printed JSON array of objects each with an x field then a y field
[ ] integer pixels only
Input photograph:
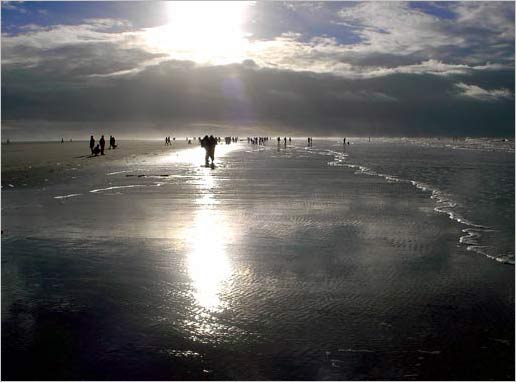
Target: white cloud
[
  {"x": 31, "y": 47},
  {"x": 420, "y": 43},
  {"x": 476, "y": 92},
  {"x": 14, "y": 6},
  {"x": 395, "y": 28},
  {"x": 497, "y": 17}
]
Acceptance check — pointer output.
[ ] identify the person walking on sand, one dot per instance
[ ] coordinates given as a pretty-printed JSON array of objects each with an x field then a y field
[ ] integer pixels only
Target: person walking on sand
[
  {"x": 102, "y": 142},
  {"x": 112, "y": 142},
  {"x": 209, "y": 143},
  {"x": 204, "y": 145},
  {"x": 212, "y": 142},
  {"x": 92, "y": 143}
]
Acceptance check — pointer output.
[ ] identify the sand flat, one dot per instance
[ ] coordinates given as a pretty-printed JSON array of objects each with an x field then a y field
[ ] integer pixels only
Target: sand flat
[{"x": 275, "y": 265}]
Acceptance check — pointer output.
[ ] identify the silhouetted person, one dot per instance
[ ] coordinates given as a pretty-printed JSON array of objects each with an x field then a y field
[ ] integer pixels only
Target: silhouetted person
[
  {"x": 212, "y": 142},
  {"x": 204, "y": 145},
  {"x": 62, "y": 140},
  {"x": 92, "y": 143},
  {"x": 102, "y": 142},
  {"x": 96, "y": 150},
  {"x": 344, "y": 141}
]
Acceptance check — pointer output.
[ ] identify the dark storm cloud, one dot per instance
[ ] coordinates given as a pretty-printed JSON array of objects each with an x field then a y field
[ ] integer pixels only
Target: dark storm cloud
[{"x": 172, "y": 94}]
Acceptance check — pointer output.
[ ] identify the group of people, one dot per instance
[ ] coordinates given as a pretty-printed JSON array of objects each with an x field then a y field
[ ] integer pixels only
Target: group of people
[
  {"x": 257, "y": 140},
  {"x": 99, "y": 148},
  {"x": 168, "y": 141},
  {"x": 284, "y": 140},
  {"x": 228, "y": 140}
]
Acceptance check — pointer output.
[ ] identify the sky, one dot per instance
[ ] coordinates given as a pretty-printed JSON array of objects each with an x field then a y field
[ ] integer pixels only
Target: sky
[{"x": 150, "y": 69}]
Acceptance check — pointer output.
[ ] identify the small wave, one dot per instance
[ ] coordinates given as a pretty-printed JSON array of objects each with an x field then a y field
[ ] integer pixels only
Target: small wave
[
  {"x": 357, "y": 350},
  {"x": 116, "y": 187},
  {"x": 444, "y": 204},
  {"x": 432, "y": 352},
  {"x": 117, "y": 172},
  {"x": 66, "y": 196}
]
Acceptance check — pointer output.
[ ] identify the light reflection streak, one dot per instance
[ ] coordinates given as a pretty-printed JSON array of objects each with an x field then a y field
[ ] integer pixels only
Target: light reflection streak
[
  {"x": 208, "y": 264},
  {"x": 195, "y": 156}
]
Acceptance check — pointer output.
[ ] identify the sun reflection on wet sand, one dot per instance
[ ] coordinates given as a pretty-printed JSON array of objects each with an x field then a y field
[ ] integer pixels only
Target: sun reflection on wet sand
[
  {"x": 208, "y": 264},
  {"x": 195, "y": 155}
]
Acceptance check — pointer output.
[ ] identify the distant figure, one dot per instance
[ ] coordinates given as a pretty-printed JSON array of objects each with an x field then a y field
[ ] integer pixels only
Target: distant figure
[
  {"x": 369, "y": 139},
  {"x": 344, "y": 141},
  {"x": 112, "y": 142},
  {"x": 102, "y": 142},
  {"x": 279, "y": 140},
  {"x": 96, "y": 150},
  {"x": 289, "y": 139},
  {"x": 62, "y": 140},
  {"x": 92, "y": 143}
]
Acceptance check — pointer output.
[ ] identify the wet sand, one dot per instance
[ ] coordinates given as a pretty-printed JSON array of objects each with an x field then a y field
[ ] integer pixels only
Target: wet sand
[{"x": 272, "y": 266}]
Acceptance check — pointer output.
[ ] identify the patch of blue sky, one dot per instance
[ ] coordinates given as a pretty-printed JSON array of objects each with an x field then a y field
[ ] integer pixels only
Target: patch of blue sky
[
  {"x": 439, "y": 9},
  {"x": 309, "y": 20},
  {"x": 15, "y": 15}
]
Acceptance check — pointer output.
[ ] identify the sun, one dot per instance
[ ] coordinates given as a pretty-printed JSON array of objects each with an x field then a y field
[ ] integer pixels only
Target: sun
[{"x": 202, "y": 31}]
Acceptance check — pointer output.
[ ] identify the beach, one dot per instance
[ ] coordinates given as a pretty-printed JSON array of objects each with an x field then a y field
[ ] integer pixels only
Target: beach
[{"x": 285, "y": 262}]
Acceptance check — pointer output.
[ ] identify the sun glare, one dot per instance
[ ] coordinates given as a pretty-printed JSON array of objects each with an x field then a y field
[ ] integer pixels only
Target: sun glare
[{"x": 202, "y": 31}]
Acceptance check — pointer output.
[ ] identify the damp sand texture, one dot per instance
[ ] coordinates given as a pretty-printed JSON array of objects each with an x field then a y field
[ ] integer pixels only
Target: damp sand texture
[{"x": 282, "y": 263}]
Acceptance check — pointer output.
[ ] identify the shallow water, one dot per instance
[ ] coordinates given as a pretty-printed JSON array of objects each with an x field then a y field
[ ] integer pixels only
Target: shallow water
[
  {"x": 472, "y": 183},
  {"x": 280, "y": 263}
]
